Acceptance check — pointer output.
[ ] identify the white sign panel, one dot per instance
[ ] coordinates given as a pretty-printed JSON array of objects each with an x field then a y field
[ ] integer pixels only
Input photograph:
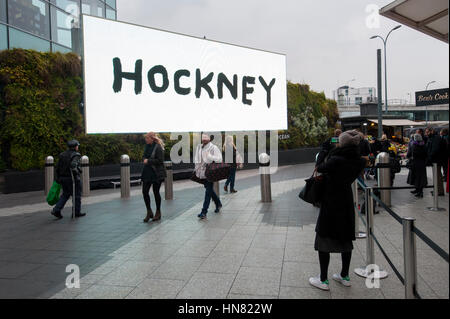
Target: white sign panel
[{"x": 139, "y": 79}]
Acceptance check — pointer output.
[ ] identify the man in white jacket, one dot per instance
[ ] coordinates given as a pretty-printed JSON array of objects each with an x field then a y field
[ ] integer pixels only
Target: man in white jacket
[{"x": 207, "y": 153}]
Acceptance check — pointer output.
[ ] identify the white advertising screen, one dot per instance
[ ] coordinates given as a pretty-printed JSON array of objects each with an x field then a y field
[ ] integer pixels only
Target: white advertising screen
[{"x": 139, "y": 79}]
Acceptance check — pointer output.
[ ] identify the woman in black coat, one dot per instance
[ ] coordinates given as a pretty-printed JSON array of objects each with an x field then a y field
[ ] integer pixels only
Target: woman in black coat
[
  {"x": 153, "y": 173},
  {"x": 335, "y": 228},
  {"x": 418, "y": 176}
]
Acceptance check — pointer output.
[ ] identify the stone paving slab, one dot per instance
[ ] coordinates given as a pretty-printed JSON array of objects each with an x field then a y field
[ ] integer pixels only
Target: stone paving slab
[{"x": 249, "y": 250}]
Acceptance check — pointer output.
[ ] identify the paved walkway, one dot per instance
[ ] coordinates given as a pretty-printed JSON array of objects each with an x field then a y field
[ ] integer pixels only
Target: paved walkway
[{"x": 249, "y": 250}]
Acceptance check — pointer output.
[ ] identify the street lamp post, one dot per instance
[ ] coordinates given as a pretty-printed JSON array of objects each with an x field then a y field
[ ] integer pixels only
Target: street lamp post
[
  {"x": 385, "y": 71},
  {"x": 426, "y": 106}
]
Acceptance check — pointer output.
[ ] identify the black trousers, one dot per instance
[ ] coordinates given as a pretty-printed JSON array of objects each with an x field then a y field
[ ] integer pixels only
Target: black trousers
[
  {"x": 324, "y": 260},
  {"x": 67, "y": 186},
  {"x": 146, "y": 185}
]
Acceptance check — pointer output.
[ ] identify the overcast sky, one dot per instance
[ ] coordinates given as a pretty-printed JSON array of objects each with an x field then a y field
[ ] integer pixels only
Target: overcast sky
[{"x": 326, "y": 41}]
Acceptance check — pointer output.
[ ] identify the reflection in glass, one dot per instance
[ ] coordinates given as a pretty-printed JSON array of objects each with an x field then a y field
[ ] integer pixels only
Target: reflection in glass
[
  {"x": 93, "y": 7},
  {"x": 62, "y": 24},
  {"x": 58, "y": 48},
  {"x": 3, "y": 37},
  {"x": 30, "y": 15},
  {"x": 19, "y": 39},
  {"x": 3, "y": 10},
  {"x": 110, "y": 14},
  {"x": 111, "y": 3},
  {"x": 70, "y": 6}
]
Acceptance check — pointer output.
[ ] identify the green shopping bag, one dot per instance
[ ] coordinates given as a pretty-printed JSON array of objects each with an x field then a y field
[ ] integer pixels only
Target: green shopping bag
[{"x": 53, "y": 194}]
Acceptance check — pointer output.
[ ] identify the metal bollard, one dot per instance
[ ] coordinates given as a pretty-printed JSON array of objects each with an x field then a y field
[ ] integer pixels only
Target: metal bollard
[
  {"x": 85, "y": 181},
  {"x": 168, "y": 182},
  {"x": 370, "y": 251},
  {"x": 49, "y": 173},
  {"x": 358, "y": 234},
  {"x": 264, "y": 171},
  {"x": 384, "y": 178},
  {"x": 124, "y": 176},
  {"x": 435, "y": 207},
  {"x": 410, "y": 258}
]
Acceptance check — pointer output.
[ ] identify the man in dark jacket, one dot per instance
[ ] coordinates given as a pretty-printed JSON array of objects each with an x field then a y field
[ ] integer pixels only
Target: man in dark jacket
[
  {"x": 436, "y": 155},
  {"x": 68, "y": 172}
]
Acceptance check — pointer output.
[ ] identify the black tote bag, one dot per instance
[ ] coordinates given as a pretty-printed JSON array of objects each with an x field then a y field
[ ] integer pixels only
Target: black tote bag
[{"x": 313, "y": 190}]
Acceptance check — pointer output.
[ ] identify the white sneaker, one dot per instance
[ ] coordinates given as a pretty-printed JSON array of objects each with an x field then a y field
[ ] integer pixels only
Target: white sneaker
[
  {"x": 315, "y": 281},
  {"x": 343, "y": 281}
]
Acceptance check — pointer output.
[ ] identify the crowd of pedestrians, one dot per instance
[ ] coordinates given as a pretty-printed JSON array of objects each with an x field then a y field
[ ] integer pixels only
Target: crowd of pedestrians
[
  {"x": 344, "y": 157},
  {"x": 425, "y": 149}
]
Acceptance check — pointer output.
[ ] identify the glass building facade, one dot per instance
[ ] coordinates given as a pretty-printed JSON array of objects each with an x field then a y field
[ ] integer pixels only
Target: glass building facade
[{"x": 48, "y": 25}]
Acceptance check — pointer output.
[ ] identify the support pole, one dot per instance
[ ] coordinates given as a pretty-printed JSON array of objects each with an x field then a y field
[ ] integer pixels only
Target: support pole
[
  {"x": 384, "y": 177},
  {"x": 358, "y": 234},
  {"x": 410, "y": 258},
  {"x": 370, "y": 247},
  {"x": 85, "y": 179},
  {"x": 168, "y": 182},
  {"x": 124, "y": 176},
  {"x": 49, "y": 173},
  {"x": 264, "y": 171},
  {"x": 435, "y": 207}
]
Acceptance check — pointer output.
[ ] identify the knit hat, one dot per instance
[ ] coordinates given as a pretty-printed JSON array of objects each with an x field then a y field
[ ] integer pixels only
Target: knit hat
[{"x": 349, "y": 138}]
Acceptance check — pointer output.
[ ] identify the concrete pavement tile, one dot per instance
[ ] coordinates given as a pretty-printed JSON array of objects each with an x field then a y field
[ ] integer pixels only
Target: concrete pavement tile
[
  {"x": 295, "y": 274},
  {"x": 223, "y": 262},
  {"x": 196, "y": 249},
  {"x": 104, "y": 292},
  {"x": 264, "y": 257},
  {"x": 354, "y": 292},
  {"x": 234, "y": 244},
  {"x": 178, "y": 268},
  {"x": 257, "y": 281},
  {"x": 16, "y": 270},
  {"x": 269, "y": 241},
  {"x": 241, "y": 296},
  {"x": 204, "y": 285},
  {"x": 303, "y": 293},
  {"x": 301, "y": 253},
  {"x": 14, "y": 255},
  {"x": 131, "y": 273},
  {"x": 102, "y": 270},
  {"x": 70, "y": 293},
  {"x": 49, "y": 272},
  {"x": 157, "y": 289},
  {"x": 22, "y": 289}
]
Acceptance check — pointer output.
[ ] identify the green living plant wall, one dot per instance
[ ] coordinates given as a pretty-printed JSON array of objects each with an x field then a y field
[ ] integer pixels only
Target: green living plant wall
[{"x": 40, "y": 98}]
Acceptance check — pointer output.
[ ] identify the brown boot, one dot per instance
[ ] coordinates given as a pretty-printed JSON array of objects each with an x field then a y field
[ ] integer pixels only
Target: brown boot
[
  {"x": 149, "y": 215},
  {"x": 157, "y": 215}
]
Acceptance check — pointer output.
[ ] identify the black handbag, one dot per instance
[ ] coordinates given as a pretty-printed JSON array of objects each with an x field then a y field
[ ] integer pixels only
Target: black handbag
[
  {"x": 313, "y": 190},
  {"x": 217, "y": 171},
  {"x": 196, "y": 179}
]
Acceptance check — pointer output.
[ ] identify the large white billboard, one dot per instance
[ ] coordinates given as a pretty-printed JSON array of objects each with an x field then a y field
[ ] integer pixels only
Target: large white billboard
[{"x": 139, "y": 79}]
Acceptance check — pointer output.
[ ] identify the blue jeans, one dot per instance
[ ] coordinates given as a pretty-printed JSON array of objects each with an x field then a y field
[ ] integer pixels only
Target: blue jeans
[
  {"x": 231, "y": 178},
  {"x": 66, "y": 183},
  {"x": 209, "y": 193}
]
